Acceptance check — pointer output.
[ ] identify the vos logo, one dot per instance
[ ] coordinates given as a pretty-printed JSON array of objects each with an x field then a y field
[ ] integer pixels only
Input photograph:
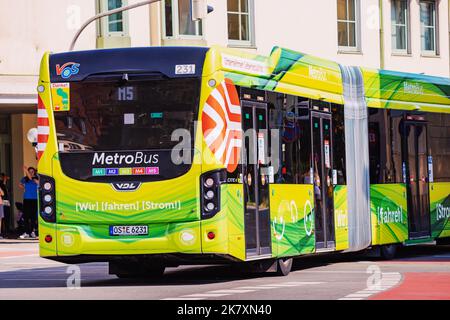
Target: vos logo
[
  {"x": 67, "y": 69},
  {"x": 126, "y": 186}
]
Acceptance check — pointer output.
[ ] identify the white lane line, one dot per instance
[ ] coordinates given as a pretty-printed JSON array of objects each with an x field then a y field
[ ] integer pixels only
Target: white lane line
[
  {"x": 256, "y": 288},
  {"x": 183, "y": 299},
  {"x": 205, "y": 295},
  {"x": 358, "y": 295},
  {"x": 387, "y": 281},
  {"x": 231, "y": 291},
  {"x": 291, "y": 284},
  {"x": 281, "y": 285},
  {"x": 25, "y": 255},
  {"x": 246, "y": 289},
  {"x": 33, "y": 263},
  {"x": 368, "y": 291},
  {"x": 304, "y": 282},
  {"x": 334, "y": 271},
  {"x": 441, "y": 256},
  {"x": 31, "y": 279}
]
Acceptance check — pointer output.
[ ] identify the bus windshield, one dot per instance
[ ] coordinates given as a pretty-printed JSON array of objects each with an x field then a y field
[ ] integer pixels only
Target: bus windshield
[
  {"x": 137, "y": 115},
  {"x": 110, "y": 117}
]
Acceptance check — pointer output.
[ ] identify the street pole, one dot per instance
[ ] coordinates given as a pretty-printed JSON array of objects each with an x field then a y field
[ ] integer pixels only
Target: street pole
[{"x": 104, "y": 14}]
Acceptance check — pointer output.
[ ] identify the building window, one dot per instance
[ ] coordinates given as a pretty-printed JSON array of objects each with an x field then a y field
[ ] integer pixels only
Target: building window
[
  {"x": 177, "y": 20},
  {"x": 115, "y": 24},
  {"x": 348, "y": 24},
  {"x": 240, "y": 22},
  {"x": 428, "y": 26},
  {"x": 400, "y": 26}
]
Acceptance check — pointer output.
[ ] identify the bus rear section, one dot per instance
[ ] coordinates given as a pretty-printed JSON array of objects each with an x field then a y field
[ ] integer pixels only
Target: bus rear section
[{"x": 119, "y": 157}]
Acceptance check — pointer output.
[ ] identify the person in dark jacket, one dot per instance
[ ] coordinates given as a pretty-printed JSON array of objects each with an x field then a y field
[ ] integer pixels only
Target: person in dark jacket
[
  {"x": 29, "y": 183},
  {"x": 6, "y": 205}
]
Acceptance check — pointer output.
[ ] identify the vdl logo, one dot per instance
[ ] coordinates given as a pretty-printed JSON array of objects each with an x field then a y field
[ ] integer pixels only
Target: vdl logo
[
  {"x": 126, "y": 186},
  {"x": 67, "y": 69}
]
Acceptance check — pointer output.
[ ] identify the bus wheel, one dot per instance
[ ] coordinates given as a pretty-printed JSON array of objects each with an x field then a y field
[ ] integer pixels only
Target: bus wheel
[
  {"x": 388, "y": 251},
  {"x": 284, "y": 266}
]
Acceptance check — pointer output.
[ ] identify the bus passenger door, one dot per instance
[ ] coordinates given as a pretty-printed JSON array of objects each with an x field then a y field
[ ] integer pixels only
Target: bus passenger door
[
  {"x": 415, "y": 161},
  {"x": 323, "y": 180},
  {"x": 256, "y": 188}
]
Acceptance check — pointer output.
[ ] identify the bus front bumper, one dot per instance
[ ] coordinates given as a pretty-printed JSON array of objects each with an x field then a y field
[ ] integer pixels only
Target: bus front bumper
[{"x": 81, "y": 239}]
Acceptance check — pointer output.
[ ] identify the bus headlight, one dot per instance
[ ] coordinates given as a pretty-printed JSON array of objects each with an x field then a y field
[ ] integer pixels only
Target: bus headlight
[
  {"x": 210, "y": 188},
  {"x": 47, "y": 203},
  {"x": 48, "y": 198},
  {"x": 47, "y": 186},
  {"x": 48, "y": 210},
  {"x": 209, "y": 195},
  {"x": 209, "y": 182},
  {"x": 210, "y": 206}
]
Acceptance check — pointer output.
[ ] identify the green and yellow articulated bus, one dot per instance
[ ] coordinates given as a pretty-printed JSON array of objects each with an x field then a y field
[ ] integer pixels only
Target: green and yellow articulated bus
[{"x": 163, "y": 156}]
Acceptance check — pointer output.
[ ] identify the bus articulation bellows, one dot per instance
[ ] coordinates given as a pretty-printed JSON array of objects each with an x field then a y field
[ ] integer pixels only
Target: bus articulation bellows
[{"x": 161, "y": 156}]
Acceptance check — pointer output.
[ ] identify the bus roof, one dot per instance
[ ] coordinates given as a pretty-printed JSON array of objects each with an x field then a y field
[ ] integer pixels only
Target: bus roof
[
  {"x": 297, "y": 73},
  {"x": 284, "y": 70},
  {"x": 139, "y": 60}
]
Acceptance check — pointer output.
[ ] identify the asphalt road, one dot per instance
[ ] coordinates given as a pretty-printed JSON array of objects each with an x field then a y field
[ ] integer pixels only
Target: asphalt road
[{"x": 419, "y": 272}]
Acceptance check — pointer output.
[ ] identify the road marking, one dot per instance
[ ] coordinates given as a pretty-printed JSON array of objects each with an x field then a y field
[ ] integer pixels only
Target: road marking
[
  {"x": 368, "y": 291},
  {"x": 388, "y": 280},
  {"x": 231, "y": 291},
  {"x": 21, "y": 256},
  {"x": 358, "y": 295},
  {"x": 332, "y": 271},
  {"x": 441, "y": 256},
  {"x": 34, "y": 279},
  {"x": 305, "y": 282},
  {"x": 34, "y": 263},
  {"x": 256, "y": 287},
  {"x": 280, "y": 285},
  {"x": 245, "y": 289},
  {"x": 205, "y": 295},
  {"x": 183, "y": 299}
]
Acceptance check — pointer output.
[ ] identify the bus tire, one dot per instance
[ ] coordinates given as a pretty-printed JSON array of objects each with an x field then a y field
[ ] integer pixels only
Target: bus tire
[
  {"x": 388, "y": 251},
  {"x": 284, "y": 266}
]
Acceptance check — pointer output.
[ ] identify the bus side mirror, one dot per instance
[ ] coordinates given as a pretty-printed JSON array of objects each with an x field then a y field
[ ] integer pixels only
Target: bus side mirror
[
  {"x": 32, "y": 136},
  {"x": 200, "y": 9}
]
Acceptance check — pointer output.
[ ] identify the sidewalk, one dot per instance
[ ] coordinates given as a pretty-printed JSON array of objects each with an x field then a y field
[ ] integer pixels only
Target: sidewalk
[
  {"x": 18, "y": 240},
  {"x": 10, "y": 248}
]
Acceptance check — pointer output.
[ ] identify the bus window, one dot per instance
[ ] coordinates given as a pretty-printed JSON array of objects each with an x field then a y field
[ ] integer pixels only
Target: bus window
[
  {"x": 339, "y": 143},
  {"x": 295, "y": 134},
  {"x": 139, "y": 115},
  {"x": 439, "y": 140},
  {"x": 395, "y": 119},
  {"x": 384, "y": 147}
]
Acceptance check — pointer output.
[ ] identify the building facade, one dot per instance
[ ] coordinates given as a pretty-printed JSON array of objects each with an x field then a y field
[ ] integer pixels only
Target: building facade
[{"x": 403, "y": 35}]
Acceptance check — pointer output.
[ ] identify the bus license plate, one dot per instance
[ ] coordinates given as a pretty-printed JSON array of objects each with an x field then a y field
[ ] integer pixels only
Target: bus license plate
[{"x": 128, "y": 230}]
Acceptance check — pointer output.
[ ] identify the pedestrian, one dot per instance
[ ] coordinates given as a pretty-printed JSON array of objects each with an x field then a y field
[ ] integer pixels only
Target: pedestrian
[
  {"x": 6, "y": 205},
  {"x": 29, "y": 183},
  {"x": 1, "y": 211}
]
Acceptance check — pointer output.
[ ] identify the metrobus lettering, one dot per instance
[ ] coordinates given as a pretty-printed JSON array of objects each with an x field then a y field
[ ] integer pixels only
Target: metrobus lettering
[
  {"x": 121, "y": 159},
  {"x": 386, "y": 215},
  {"x": 442, "y": 212}
]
